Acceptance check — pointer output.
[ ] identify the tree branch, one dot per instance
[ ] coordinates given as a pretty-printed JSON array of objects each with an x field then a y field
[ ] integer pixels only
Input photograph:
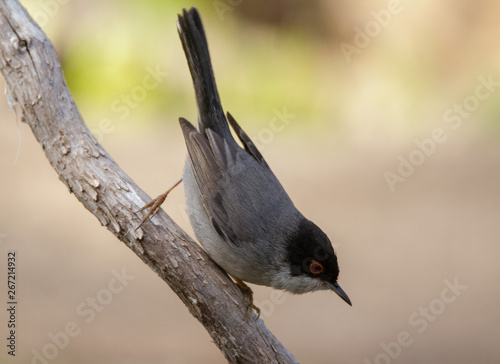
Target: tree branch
[{"x": 35, "y": 80}]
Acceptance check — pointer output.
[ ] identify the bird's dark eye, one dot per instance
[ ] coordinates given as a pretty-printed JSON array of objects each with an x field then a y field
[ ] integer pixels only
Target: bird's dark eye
[{"x": 315, "y": 267}]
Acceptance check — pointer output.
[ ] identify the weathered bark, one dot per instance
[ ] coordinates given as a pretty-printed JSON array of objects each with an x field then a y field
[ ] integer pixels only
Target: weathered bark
[{"x": 35, "y": 80}]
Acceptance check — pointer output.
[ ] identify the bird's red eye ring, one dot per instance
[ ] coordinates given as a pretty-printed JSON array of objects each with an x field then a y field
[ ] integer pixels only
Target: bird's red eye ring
[{"x": 315, "y": 267}]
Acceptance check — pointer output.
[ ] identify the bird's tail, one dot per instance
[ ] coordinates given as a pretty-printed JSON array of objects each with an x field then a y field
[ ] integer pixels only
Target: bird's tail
[{"x": 194, "y": 42}]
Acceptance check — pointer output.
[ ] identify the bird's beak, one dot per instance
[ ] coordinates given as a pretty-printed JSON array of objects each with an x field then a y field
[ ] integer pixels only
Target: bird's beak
[{"x": 336, "y": 288}]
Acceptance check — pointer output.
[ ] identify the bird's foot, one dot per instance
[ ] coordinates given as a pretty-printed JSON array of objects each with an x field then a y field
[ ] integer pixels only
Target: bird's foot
[
  {"x": 248, "y": 295},
  {"x": 154, "y": 205}
]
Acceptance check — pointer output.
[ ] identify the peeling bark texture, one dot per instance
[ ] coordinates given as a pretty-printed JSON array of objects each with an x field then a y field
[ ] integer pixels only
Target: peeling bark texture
[{"x": 29, "y": 63}]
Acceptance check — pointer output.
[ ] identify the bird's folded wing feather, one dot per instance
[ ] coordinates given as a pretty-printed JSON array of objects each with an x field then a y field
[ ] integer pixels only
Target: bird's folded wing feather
[
  {"x": 209, "y": 161},
  {"x": 240, "y": 194}
]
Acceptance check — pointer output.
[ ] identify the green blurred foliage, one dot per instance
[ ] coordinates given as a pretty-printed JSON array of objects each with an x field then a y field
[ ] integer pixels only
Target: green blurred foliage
[
  {"x": 281, "y": 54},
  {"x": 107, "y": 47}
]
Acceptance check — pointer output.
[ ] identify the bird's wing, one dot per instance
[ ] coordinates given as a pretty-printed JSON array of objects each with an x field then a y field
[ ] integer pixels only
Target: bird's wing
[
  {"x": 249, "y": 146},
  {"x": 242, "y": 197}
]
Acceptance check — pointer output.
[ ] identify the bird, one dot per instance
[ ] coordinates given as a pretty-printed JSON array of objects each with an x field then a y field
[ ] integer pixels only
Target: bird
[{"x": 239, "y": 211}]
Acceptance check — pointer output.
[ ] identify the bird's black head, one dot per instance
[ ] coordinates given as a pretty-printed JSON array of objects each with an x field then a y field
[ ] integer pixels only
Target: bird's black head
[{"x": 313, "y": 262}]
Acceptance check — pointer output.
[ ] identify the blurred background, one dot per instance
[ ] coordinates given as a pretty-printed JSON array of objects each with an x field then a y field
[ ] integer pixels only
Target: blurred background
[{"x": 381, "y": 120}]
